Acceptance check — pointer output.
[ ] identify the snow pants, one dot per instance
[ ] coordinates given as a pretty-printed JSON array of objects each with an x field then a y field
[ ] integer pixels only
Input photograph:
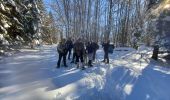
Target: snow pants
[
  {"x": 69, "y": 53},
  {"x": 61, "y": 55},
  {"x": 106, "y": 56},
  {"x": 79, "y": 56}
]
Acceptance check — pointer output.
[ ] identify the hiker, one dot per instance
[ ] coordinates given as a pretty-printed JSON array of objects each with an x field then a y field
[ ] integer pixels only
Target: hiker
[
  {"x": 90, "y": 51},
  {"x": 69, "y": 45},
  {"x": 95, "y": 46},
  {"x": 62, "y": 51},
  {"x": 79, "y": 50},
  {"x": 155, "y": 52},
  {"x": 106, "y": 51}
]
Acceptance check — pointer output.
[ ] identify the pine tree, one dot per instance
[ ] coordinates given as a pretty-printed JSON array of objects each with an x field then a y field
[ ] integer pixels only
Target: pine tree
[{"x": 20, "y": 20}]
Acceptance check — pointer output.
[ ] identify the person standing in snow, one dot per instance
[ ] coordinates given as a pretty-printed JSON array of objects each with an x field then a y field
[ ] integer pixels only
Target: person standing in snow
[
  {"x": 90, "y": 50},
  {"x": 79, "y": 50},
  {"x": 95, "y": 47},
  {"x": 69, "y": 45},
  {"x": 155, "y": 52},
  {"x": 62, "y": 51},
  {"x": 106, "y": 51}
]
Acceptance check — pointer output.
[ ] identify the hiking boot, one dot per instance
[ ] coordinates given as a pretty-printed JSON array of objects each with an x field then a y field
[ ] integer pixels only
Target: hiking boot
[
  {"x": 107, "y": 62},
  {"x": 103, "y": 61},
  {"x": 91, "y": 65},
  {"x": 78, "y": 66},
  {"x": 58, "y": 66}
]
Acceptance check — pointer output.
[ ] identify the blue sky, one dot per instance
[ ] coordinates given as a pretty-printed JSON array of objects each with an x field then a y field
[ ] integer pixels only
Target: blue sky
[{"x": 46, "y": 2}]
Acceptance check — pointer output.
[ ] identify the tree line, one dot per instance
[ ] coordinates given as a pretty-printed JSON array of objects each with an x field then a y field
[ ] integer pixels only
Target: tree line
[
  {"x": 124, "y": 22},
  {"x": 99, "y": 20}
]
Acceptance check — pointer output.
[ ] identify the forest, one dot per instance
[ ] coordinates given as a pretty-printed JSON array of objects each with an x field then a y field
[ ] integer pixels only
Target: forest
[
  {"x": 123, "y": 22},
  {"x": 133, "y": 36}
]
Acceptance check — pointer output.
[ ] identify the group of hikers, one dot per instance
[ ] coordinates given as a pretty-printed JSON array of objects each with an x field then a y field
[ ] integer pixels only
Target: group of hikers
[{"x": 84, "y": 52}]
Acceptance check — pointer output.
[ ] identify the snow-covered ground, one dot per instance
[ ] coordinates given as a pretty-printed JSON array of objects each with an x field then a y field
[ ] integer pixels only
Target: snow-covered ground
[{"x": 131, "y": 75}]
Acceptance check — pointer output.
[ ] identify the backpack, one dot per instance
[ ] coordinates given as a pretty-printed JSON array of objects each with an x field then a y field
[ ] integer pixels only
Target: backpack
[
  {"x": 60, "y": 48},
  {"x": 111, "y": 48},
  {"x": 97, "y": 46}
]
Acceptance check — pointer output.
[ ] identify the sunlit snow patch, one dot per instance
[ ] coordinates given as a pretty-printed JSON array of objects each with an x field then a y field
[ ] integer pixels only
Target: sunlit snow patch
[{"x": 128, "y": 89}]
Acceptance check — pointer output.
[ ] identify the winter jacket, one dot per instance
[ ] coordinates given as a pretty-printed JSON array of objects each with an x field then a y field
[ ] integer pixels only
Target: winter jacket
[
  {"x": 61, "y": 48},
  {"x": 106, "y": 47},
  {"x": 95, "y": 46},
  {"x": 79, "y": 48},
  {"x": 90, "y": 48},
  {"x": 69, "y": 44}
]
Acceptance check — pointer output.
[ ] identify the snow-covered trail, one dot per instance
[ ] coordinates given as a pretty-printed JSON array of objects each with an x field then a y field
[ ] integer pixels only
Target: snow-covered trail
[{"x": 31, "y": 75}]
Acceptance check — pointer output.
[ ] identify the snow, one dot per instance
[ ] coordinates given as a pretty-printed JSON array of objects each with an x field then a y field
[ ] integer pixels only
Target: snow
[
  {"x": 3, "y": 29},
  {"x": 12, "y": 3},
  {"x": 31, "y": 75},
  {"x": 29, "y": 5},
  {"x": 128, "y": 89},
  {"x": 2, "y": 7},
  {"x": 15, "y": 19},
  {"x": 6, "y": 25},
  {"x": 1, "y": 37}
]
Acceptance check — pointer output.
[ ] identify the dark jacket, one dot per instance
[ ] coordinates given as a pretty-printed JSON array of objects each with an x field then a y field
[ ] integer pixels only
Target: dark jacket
[
  {"x": 89, "y": 48},
  {"x": 79, "y": 48},
  {"x": 106, "y": 46},
  {"x": 61, "y": 48},
  {"x": 95, "y": 46},
  {"x": 69, "y": 44}
]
